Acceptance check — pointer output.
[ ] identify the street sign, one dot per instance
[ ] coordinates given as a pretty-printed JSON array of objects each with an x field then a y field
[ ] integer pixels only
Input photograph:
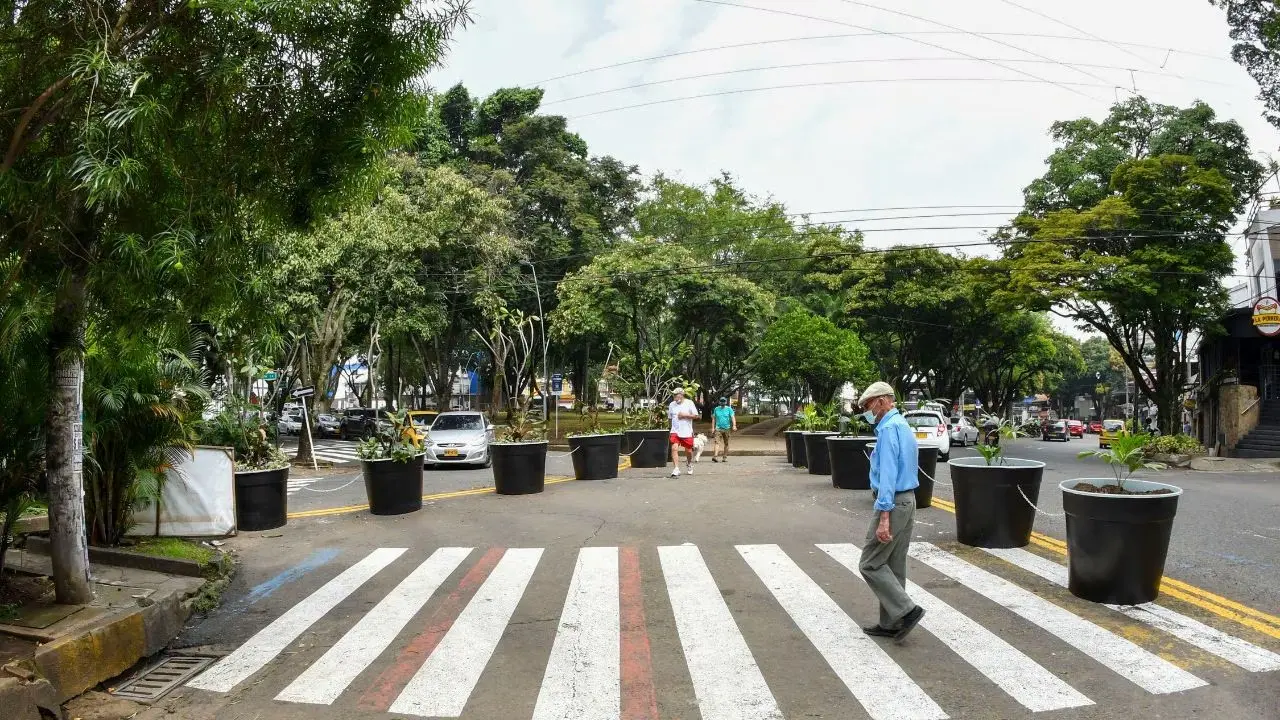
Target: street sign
[
  {"x": 557, "y": 384},
  {"x": 271, "y": 375},
  {"x": 302, "y": 392}
]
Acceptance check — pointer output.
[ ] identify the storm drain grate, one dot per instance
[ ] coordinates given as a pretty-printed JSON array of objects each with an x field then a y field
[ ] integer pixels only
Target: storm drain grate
[{"x": 156, "y": 682}]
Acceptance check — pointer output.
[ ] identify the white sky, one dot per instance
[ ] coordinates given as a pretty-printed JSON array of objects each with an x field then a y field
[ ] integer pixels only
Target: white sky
[{"x": 931, "y": 129}]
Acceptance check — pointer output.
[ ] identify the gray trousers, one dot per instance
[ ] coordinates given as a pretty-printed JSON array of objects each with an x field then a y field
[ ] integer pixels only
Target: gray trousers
[{"x": 884, "y": 565}]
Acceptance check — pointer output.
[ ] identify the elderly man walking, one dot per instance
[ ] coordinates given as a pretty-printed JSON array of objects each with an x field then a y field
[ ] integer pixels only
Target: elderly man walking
[{"x": 894, "y": 465}]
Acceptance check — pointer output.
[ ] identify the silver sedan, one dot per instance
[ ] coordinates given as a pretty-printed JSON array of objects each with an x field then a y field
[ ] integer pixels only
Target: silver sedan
[{"x": 459, "y": 438}]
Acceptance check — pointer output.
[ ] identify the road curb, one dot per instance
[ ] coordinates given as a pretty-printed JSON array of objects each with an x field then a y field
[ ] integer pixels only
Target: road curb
[{"x": 123, "y": 558}]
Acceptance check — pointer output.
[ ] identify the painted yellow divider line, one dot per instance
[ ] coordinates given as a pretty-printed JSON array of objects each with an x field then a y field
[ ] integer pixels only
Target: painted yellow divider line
[
  {"x": 1264, "y": 623},
  {"x": 425, "y": 498}
]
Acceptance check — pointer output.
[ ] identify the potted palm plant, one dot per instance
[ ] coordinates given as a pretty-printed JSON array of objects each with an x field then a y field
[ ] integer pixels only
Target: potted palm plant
[
  {"x": 1118, "y": 528},
  {"x": 391, "y": 462},
  {"x": 261, "y": 469},
  {"x": 595, "y": 450},
  {"x": 819, "y": 423},
  {"x": 994, "y": 494},
  {"x": 648, "y": 436},
  {"x": 520, "y": 453},
  {"x": 850, "y": 457}
]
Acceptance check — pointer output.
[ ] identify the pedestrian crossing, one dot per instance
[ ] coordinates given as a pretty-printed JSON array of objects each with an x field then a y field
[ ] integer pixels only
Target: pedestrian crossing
[
  {"x": 336, "y": 453},
  {"x": 1036, "y": 650},
  {"x": 296, "y": 484}
]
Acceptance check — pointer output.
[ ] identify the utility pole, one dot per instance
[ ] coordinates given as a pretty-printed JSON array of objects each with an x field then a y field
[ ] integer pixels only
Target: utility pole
[{"x": 543, "y": 321}]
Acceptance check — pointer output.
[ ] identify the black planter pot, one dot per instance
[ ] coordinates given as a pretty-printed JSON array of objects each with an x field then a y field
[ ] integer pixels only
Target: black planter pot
[
  {"x": 1117, "y": 544},
  {"x": 990, "y": 510},
  {"x": 649, "y": 448},
  {"x": 262, "y": 499},
  {"x": 850, "y": 467},
  {"x": 393, "y": 488},
  {"x": 928, "y": 469},
  {"x": 795, "y": 441},
  {"x": 519, "y": 468},
  {"x": 815, "y": 451},
  {"x": 595, "y": 457},
  {"x": 786, "y": 442}
]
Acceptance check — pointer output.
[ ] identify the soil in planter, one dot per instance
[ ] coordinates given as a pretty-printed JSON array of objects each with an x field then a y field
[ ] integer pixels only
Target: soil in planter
[{"x": 1117, "y": 490}]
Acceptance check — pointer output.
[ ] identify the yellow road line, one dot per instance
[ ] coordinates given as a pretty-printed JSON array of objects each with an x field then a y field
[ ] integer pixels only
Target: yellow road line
[
  {"x": 1201, "y": 598},
  {"x": 425, "y": 498}
]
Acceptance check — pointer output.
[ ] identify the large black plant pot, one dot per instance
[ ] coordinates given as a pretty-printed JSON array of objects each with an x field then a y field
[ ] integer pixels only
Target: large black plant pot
[
  {"x": 850, "y": 466},
  {"x": 990, "y": 510},
  {"x": 795, "y": 441},
  {"x": 262, "y": 499},
  {"x": 927, "y": 470},
  {"x": 393, "y": 488},
  {"x": 519, "y": 468},
  {"x": 649, "y": 448},
  {"x": 786, "y": 442},
  {"x": 815, "y": 451},
  {"x": 595, "y": 457},
  {"x": 1117, "y": 544}
]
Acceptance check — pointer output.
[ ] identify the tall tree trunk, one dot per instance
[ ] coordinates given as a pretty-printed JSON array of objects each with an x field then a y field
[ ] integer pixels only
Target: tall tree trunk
[{"x": 64, "y": 445}]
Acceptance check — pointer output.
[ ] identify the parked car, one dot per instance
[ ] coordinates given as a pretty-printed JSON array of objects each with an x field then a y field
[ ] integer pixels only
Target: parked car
[
  {"x": 1055, "y": 430},
  {"x": 1111, "y": 429},
  {"x": 963, "y": 431},
  {"x": 1076, "y": 428},
  {"x": 1095, "y": 427},
  {"x": 359, "y": 423},
  {"x": 289, "y": 425},
  {"x": 930, "y": 427},
  {"x": 328, "y": 426},
  {"x": 459, "y": 437}
]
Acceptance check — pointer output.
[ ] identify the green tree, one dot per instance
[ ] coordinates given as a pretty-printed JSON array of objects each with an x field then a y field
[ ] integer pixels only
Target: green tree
[
  {"x": 146, "y": 142},
  {"x": 1255, "y": 26},
  {"x": 1125, "y": 234},
  {"x": 802, "y": 347},
  {"x": 1010, "y": 359}
]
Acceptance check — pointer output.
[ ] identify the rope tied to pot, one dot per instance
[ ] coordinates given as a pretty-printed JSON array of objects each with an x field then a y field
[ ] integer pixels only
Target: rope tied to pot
[
  {"x": 340, "y": 487},
  {"x": 566, "y": 454},
  {"x": 922, "y": 472},
  {"x": 638, "y": 445},
  {"x": 1033, "y": 505}
]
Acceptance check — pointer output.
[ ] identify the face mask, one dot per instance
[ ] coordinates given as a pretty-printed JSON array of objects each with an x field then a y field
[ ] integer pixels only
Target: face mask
[{"x": 869, "y": 417}]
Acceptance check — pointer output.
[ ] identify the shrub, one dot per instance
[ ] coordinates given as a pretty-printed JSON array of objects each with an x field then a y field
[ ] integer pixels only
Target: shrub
[{"x": 1173, "y": 445}]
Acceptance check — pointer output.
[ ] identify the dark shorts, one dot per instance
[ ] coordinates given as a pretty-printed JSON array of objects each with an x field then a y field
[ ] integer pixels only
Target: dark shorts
[{"x": 686, "y": 443}]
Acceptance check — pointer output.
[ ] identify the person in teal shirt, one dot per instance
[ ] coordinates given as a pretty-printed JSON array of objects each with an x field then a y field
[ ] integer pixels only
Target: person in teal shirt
[{"x": 726, "y": 422}]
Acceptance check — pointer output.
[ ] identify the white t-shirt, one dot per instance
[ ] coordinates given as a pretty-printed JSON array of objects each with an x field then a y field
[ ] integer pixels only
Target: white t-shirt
[{"x": 681, "y": 427}]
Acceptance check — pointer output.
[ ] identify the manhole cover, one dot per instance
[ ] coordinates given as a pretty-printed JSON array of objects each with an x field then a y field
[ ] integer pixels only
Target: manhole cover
[{"x": 156, "y": 682}]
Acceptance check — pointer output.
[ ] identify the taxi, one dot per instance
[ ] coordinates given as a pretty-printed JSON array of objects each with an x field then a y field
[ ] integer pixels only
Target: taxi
[{"x": 1111, "y": 429}]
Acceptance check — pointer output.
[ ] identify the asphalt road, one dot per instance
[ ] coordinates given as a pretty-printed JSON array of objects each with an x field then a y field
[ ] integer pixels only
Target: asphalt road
[{"x": 723, "y": 595}]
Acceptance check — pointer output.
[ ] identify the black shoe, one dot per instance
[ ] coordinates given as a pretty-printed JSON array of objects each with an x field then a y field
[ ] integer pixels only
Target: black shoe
[
  {"x": 878, "y": 631},
  {"x": 714, "y": 460},
  {"x": 909, "y": 622}
]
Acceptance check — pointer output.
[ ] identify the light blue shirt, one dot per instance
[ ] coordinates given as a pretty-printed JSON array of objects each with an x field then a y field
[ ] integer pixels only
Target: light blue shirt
[
  {"x": 895, "y": 461},
  {"x": 724, "y": 417}
]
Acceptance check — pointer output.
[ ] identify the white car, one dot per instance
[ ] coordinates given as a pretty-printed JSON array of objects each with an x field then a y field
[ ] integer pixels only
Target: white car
[
  {"x": 964, "y": 432},
  {"x": 459, "y": 437},
  {"x": 289, "y": 425},
  {"x": 931, "y": 430}
]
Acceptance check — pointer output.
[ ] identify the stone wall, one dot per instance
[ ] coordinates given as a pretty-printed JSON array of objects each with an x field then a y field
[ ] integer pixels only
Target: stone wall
[{"x": 1232, "y": 399}]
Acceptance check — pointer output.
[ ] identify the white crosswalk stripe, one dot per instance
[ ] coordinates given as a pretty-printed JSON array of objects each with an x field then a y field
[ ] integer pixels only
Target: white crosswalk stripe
[
  {"x": 443, "y": 684},
  {"x": 335, "y": 453},
  {"x": 585, "y": 673},
  {"x": 1023, "y": 678},
  {"x": 325, "y": 680},
  {"x": 882, "y": 687},
  {"x": 1232, "y": 649},
  {"x": 296, "y": 484},
  {"x": 271, "y": 640},
  {"x": 725, "y": 676},
  {"x": 1150, "y": 672}
]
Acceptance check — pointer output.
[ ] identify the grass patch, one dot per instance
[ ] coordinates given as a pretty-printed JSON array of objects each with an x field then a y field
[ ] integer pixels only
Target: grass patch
[
  {"x": 175, "y": 548},
  {"x": 9, "y": 611}
]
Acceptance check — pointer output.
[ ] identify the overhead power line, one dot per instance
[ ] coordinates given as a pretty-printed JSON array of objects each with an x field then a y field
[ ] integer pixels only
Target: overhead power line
[
  {"x": 845, "y": 36},
  {"x": 828, "y": 63},
  {"x": 1070, "y": 87}
]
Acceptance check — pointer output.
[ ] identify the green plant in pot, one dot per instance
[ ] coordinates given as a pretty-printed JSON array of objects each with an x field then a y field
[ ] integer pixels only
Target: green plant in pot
[
  {"x": 1118, "y": 528},
  {"x": 819, "y": 423},
  {"x": 519, "y": 452},
  {"x": 849, "y": 455},
  {"x": 261, "y": 469},
  {"x": 392, "y": 463},
  {"x": 594, "y": 450},
  {"x": 995, "y": 494}
]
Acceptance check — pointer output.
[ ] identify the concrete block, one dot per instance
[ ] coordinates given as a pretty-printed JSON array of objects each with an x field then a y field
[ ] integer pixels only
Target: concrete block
[
  {"x": 23, "y": 700},
  {"x": 79, "y": 662}
]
